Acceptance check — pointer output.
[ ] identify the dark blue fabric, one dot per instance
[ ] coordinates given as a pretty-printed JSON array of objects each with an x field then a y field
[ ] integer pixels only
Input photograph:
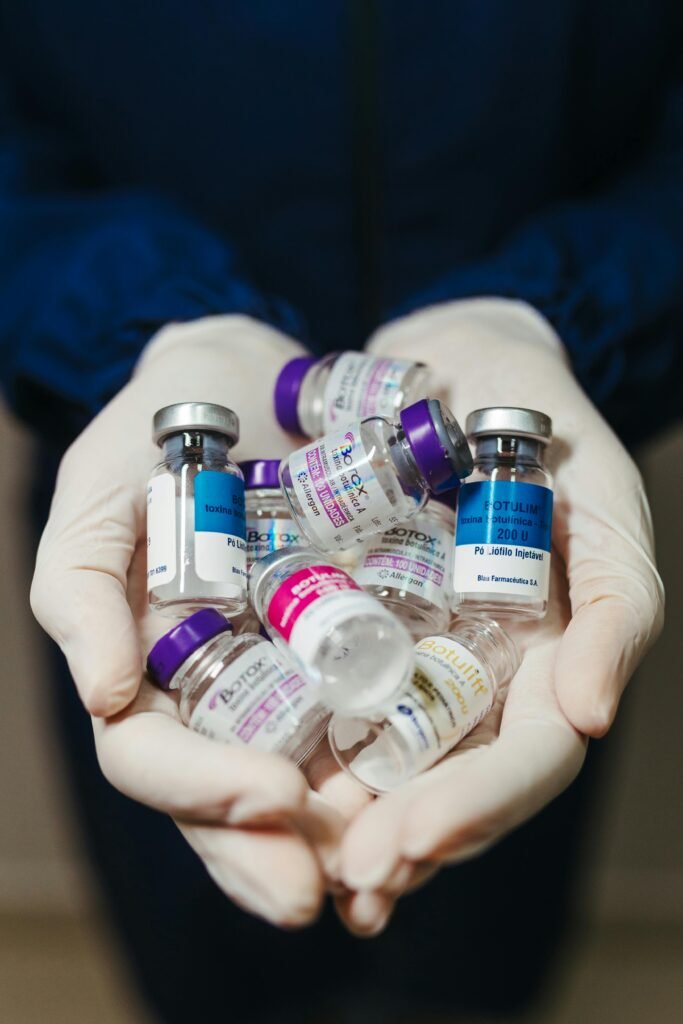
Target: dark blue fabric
[{"x": 160, "y": 162}]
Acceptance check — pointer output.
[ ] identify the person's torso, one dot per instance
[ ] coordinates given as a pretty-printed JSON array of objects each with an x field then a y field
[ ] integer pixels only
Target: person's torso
[{"x": 352, "y": 151}]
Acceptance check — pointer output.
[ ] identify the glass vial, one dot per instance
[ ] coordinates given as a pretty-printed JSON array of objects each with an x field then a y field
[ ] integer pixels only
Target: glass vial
[
  {"x": 269, "y": 521},
  {"x": 315, "y": 396},
  {"x": 454, "y": 685},
  {"x": 410, "y": 567},
  {"x": 373, "y": 474},
  {"x": 504, "y": 518},
  {"x": 196, "y": 551},
  {"x": 237, "y": 689},
  {"x": 341, "y": 638}
]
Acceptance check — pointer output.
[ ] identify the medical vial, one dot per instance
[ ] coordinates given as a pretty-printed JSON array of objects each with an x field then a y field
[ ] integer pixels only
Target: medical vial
[
  {"x": 454, "y": 685},
  {"x": 196, "y": 550},
  {"x": 237, "y": 689},
  {"x": 341, "y": 638},
  {"x": 504, "y": 518},
  {"x": 315, "y": 396},
  {"x": 409, "y": 568},
  {"x": 269, "y": 524},
  {"x": 372, "y": 475}
]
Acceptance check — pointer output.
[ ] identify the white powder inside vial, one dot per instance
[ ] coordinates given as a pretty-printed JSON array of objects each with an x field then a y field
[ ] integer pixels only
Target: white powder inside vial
[{"x": 375, "y": 766}]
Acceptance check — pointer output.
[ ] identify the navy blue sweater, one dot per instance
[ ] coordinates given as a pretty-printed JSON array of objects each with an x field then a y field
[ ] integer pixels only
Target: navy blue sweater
[{"x": 327, "y": 165}]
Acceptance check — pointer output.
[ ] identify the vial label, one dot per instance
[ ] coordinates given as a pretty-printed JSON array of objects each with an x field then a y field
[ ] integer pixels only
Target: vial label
[
  {"x": 416, "y": 561},
  {"x": 338, "y": 489},
  {"x": 161, "y": 530},
  {"x": 219, "y": 527},
  {"x": 502, "y": 539},
  {"x": 257, "y": 700},
  {"x": 360, "y": 386},
  {"x": 315, "y": 600},
  {"x": 450, "y": 693},
  {"x": 266, "y": 535}
]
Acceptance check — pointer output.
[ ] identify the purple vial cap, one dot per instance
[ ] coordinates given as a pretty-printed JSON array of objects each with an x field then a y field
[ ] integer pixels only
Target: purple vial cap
[
  {"x": 287, "y": 387},
  {"x": 261, "y": 474},
  {"x": 438, "y": 444},
  {"x": 176, "y": 646}
]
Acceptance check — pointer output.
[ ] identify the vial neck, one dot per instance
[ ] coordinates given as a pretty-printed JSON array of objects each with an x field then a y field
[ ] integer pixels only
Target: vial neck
[
  {"x": 507, "y": 448},
  {"x": 492, "y": 647},
  {"x": 196, "y": 446},
  {"x": 407, "y": 469},
  {"x": 199, "y": 662}
]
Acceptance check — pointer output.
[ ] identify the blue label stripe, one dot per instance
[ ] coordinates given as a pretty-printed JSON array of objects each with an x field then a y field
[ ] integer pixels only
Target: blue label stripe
[
  {"x": 502, "y": 512},
  {"x": 219, "y": 504}
]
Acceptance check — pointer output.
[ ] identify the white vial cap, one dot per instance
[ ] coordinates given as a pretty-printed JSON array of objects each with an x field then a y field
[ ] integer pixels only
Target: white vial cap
[
  {"x": 507, "y": 419},
  {"x": 188, "y": 416}
]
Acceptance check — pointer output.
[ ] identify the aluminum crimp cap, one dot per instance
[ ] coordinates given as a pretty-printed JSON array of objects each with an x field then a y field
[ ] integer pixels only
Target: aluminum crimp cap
[
  {"x": 202, "y": 416},
  {"x": 438, "y": 444},
  {"x": 508, "y": 419}
]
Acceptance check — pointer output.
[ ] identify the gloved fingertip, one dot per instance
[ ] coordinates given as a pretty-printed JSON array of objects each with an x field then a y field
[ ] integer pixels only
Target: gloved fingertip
[
  {"x": 264, "y": 805},
  {"x": 366, "y": 914},
  {"x": 399, "y": 878},
  {"x": 288, "y": 910},
  {"x": 590, "y": 718},
  {"x": 298, "y": 910},
  {"x": 363, "y": 874},
  {"x": 302, "y": 914},
  {"x": 598, "y": 653},
  {"x": 106, "y": 700}
]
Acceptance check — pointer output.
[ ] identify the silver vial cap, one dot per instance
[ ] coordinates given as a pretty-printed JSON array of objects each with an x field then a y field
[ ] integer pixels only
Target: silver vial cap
[
  {"x": 506, "y": 419},
  {"x": 187, "y": 416}
]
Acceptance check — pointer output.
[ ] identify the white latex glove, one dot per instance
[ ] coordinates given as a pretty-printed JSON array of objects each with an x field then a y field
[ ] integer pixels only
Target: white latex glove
[
  {"x": 264, "y": 837},
  {"x": 606, "y": 607}
]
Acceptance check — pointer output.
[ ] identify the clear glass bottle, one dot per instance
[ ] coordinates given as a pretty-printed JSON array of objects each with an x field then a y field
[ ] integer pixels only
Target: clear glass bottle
[
  {"x": 409, "y": 568},
  {"x": 237, "y": 689},
  {"x": 269, "y": 521},
  {"x": 341, "y": 638},
  {"x": 504, "y": 518},
  {"x": 196, "y": 551},
  {"x": 373, "y": 475},
  {"x": 315, "y": 396},
  {"x": 457, "y": 676}
]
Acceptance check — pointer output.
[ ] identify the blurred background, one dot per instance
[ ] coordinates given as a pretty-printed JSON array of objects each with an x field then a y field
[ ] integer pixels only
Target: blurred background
[{"x": 59, "y": 962}]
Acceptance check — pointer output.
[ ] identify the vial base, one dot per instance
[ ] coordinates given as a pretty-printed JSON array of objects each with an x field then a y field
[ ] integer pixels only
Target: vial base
[
  {"x": 309, "y": 732},
  {"x": 369, "y": 753},
  {"x": 180, "y": 607},
  {"x": 498, "y": 606},
  {"x": 421, "y": 618},
  {"x": 363, "y": 665}
]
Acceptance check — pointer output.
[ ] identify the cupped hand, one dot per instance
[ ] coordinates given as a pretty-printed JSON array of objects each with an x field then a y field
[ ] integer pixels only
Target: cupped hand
[
  {"x": 606, "y": 607},
  {"x": 265, "y": 838}
]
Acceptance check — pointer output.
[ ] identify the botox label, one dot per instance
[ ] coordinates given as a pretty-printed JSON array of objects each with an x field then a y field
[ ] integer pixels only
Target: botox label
[
  {"x": 161, "y": 531},
  {"x": 360, "y": 386},
  {"x": 502, "y": 539},
  {"x": 338, "y": 489},
  {"x": 449, "y": 695},
  {"x": 257, "y": 700},
  {"x": 415, "y": 559},
  {"x": 265, "y": 535},
  {"x": 219, "y": 528},
  {"x": 315, "y": 600}
]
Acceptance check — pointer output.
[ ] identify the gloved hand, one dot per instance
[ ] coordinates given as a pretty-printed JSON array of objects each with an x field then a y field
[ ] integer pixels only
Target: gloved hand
[
  {"x": 606, "y": 607},
  {"x": 251, "y": 817}
]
